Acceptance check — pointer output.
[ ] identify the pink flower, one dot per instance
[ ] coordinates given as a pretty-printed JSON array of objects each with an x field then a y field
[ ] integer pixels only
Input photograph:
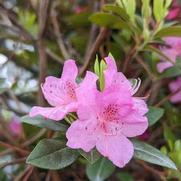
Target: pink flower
[
  {"x": 15, "y": 126},
  {"x": 172, "y": 50},
  {"x": 175, "y": 87},
  {"x": 175, "y": 11},
  {"x": 107, "y": 118},
  {"x": 60, "y": 94}
]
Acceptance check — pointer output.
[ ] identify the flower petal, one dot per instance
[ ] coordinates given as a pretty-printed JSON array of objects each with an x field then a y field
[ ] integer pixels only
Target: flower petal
[
  {"x": 49, "y": 112},
  {"x": 117, "y": 148},
  {"x": 52, "y": 91},
  {"x": 81, "y": 135},
  {"x": 134, "y": 125},
  {"x": 140, "y": 106},
  {"x": 70, "y": 70}
]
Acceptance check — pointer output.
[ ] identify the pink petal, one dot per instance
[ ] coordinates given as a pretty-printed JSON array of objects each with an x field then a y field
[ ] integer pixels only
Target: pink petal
[
  {"x": 87, "y": 90},
  {"x": 117, "y": 148},
  {"x": 134, "y": 125},
  {"x": 140, "y": 106},
  {"x": 163, "y": 66},
  {"x": 81, "y": 135},
  {"x": 52, "y": 90},
  {"x": 56, "y": 114},
  {"x": 70, "y": 70},
  {"x": 176, "y": 98},
  {"x": 15, "y": 126}
]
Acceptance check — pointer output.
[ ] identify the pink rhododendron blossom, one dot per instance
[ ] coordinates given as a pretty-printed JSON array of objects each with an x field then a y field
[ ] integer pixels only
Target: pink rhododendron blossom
[
  {"x": 175, "y": 11},
  {"x": 60, "y": 94},
  {"x": 107, "y": 119},
  {"x": 175, "y": 87},
  {"x": 172, "y": 50},
  {"x": 15, "y": 126}
]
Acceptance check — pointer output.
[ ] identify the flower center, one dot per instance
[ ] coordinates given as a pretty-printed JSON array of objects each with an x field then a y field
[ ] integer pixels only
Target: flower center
[
  {"x": 70, "y": 90},
  {"x": 110, "y": 113}
]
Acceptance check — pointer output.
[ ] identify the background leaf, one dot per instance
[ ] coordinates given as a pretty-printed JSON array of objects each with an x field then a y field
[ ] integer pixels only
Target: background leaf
[
  {"x": 154, "y": 114},
  {"x": 91, "y": 156},
  {"x": 44, "y": 123},
  {"x": 169, "y": 31},
  {"x": 150, "y": 154},
  {"x": 100, "y": 170},
  {"x": 52, "y": 154}
]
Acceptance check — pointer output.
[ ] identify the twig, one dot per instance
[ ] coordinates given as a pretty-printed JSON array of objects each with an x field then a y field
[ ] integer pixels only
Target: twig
[
  {"x": 100, "y": 39},
  {"x": 144, "y": 65},
  {"x": 14, "y": 162},
  {"x": 34, "y": 138},
  {"x": 13, "y": 18},
  {"x": 129, "y": 56},
  {"x": 152, "y": 170},
  {"x": 42, "y": 17},
  {"x": 20, "y": 150},
  {"x": 54, "y": 56},
  {"x": 28, "y": 174},
  {"x": 167, "y": 98},
  {"x": 58, "y": 34}
]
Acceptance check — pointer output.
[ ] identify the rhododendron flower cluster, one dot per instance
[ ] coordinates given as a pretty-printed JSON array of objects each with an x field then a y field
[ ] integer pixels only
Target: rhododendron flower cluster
[
  {"x": 105, "y": 119},
  {"x": 172, "y": 50}
]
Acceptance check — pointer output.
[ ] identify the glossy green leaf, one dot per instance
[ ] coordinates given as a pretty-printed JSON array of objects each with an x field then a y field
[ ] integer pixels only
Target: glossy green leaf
[
  {"x": 109, "y": 20},
  {"x": 169, "y": 31},
  {"x": 91, "y": 156},
  {"x": 154, "y": 114},
  {"x": 150, "y": 154},
  {"x": 52, "y": 154},
  {"x": 40, "y": 121},
  {"x": 100, "y": 170},
  {"x": 117, "y": 10}
]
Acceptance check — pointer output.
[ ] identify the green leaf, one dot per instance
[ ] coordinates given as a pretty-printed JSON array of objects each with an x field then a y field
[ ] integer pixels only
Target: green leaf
[
  {"x": 109, "y": 20},
  {"x": 154, "y": 114},
  {"x": 169, "y": 137},
  {"x": 150, "y": 154},
  {"x": 171, "y": 72},
  {"x": 157, "y": 51},
  {"x": 52, "y": 154},
  {"x": 28, "y": 21},
  {"x": 40, "y": 121},
  {"x": 96, "y": 66},
  {"x": 130, "y": 6},
  {"x": 158, "y": 9},
  {"x": 100, "y": 170},
  {"x": 146, "y": 9},
  {"x": 169, "y": 31},
  {"x": 91, "y": 156},
  {"x": 101, "y": 75},
  {"x": 124, "y": 176},
  {"x": 117, "y": 10}
]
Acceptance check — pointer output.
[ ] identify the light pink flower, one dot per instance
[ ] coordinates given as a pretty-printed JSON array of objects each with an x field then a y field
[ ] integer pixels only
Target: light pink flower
[
  {"x": 172, "y": 50},
  {"x": 60, "y": 94},
  {"x": 174, "y": 87},
  {"x": 15, "y": 126},
  {"x": 106, "y": 119},
  {"x": 175, "y": 11}
]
